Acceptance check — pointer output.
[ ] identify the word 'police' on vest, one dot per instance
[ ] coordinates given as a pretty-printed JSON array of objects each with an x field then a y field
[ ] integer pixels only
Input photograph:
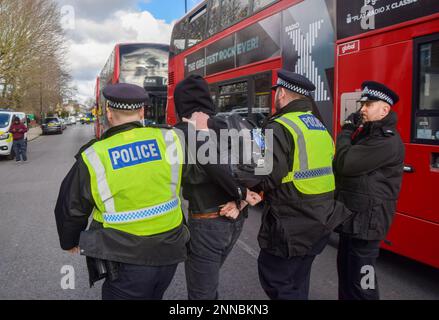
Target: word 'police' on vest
[
  {"x": 135, "y": 153},
  {"x": 312, "y": 123}
]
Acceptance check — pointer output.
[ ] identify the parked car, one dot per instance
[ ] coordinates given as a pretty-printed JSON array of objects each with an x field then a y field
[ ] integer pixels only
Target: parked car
[
  {"x": 6, "y": 140},
  {"x": 52, "y": 125},
  {"x": 63, "y": 124}
]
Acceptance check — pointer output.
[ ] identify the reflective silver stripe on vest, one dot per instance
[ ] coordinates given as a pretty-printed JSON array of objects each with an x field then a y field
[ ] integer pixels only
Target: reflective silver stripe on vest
[
  {"x": 303, "y": 156},
  {"x": 142, "y": 214},
  {"x": 168, "y": 136},
  {"x": 313, "y": 173},
  {"x": 103, "y": 188}
]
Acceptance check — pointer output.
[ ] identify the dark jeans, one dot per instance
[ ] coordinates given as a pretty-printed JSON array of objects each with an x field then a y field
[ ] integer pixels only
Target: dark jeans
[
  {"x": 356, "y": 262},
  {"x": 285, "y": 279},
  {"x": 20, "y": 147},
  {"x": 139, "y": 283},
  {"x": 210, "y": 244}
]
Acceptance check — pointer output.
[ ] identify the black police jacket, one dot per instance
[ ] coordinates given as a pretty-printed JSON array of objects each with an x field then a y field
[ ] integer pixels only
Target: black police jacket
[
  {"x": 293, "y": 224},
  {"x": 74, "y": 206},
  {"x": 369, "y": 168}
]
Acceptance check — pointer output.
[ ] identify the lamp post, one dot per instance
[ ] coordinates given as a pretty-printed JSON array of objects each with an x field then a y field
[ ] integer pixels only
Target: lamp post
[{"x": 41, "y": 101}]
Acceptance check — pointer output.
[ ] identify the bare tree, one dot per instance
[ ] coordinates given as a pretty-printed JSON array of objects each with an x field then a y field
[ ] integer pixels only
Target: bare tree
[{"x": 32, "y": 51}]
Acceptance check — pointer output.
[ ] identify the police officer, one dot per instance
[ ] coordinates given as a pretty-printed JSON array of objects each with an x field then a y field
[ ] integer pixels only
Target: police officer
[
  {"x": 369, "y": 168},
  {"x": 131, "y": 185},
  {"x": 300, "y": 210}
]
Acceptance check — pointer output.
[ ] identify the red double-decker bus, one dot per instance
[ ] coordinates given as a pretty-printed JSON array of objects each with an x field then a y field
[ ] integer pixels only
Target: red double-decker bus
[
  {"x": 143, "y": 64},
  {"x": 238, "y": 45}
]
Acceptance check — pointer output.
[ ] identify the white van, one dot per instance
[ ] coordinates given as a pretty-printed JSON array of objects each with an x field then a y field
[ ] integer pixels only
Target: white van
[
  {"x": 6, "y": 118},
  {"x": 72, "y": 120}
]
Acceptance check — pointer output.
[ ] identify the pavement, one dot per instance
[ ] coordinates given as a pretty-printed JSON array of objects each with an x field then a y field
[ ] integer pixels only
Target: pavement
[
  {"x": 34, "y": 133},
  {"x": 32, "y": 264}
]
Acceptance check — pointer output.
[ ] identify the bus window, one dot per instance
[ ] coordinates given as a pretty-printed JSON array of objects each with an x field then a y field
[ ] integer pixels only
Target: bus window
[
  {"x": 107, "y": 73},
  {"x": 260, "y": 4},
  {"x": 262, "y": 94},
  {"x": 233, "y": 11},
  {"x": 427, "y": 109},
  {"x": 178, "y": 42},
  {"x": 144, "y": 66},
  {"x": 233, "y": 98},
  {"x": 213, "y": 94},
  {"x": 214, "y": 18},
  {"x": 197, "y": 27}
]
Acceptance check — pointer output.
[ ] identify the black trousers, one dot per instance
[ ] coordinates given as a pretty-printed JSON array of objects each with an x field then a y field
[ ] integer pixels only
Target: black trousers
[
  {"x": 356, "y": 261},
  {"x": 285, "y": 279},
  {"x": 211, "y": 242},
  {"x": 139, "y": 283}
]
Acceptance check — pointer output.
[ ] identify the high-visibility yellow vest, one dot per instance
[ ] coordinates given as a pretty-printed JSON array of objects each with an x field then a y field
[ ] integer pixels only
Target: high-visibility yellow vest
[
  {"x": 135, "y": 180},
  {"x": 313, "y": 153}
]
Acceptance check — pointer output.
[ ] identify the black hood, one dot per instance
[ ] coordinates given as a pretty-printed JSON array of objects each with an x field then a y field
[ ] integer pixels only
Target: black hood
[{"x": 192, "y": 95}]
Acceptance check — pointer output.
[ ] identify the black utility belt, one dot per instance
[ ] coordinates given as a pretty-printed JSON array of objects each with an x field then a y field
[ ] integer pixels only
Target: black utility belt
[{"x": 105, "y": 269}]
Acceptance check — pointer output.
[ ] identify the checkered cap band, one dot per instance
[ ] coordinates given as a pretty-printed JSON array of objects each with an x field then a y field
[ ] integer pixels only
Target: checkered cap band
[
  {"x": 377, "y": 94},
  {"x": 143, "y": 214},
  {"x": 313, "y": 173},
  {"x": 293, "y": 87},
  {"x": 125, "y": 106}
]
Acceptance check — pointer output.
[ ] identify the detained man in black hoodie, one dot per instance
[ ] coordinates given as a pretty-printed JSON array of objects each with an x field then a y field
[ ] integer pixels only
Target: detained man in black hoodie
[{"x": 217, "y": 203}]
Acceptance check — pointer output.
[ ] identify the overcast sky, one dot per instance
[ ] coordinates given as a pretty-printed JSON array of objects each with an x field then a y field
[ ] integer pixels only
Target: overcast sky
[{"x": 99, "y": 24}]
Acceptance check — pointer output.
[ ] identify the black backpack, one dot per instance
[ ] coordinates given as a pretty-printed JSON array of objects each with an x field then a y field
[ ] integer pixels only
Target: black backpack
[{"x": 243, "y": 164}]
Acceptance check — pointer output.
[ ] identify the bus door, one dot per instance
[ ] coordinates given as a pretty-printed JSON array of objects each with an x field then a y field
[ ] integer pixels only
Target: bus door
[
  {"x": 419, "y": 194},
  {"x": 418, "y": 202}
]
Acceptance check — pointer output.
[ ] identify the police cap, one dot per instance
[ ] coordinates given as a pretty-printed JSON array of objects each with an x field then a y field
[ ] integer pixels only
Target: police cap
[
  {"x": 294, "y": 82},
  {"x": 375, "y": 91},
  {"x": 124, "y": 96}
]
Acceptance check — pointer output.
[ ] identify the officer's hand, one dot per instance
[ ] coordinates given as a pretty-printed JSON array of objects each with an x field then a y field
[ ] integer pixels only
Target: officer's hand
[
  {"x": 199, "y": 119},
  {"x": 74, "y": 250},
  {"x": 353, "y": 121},
  {"x": 230, "y": 211},
  {"x": 190, "y": 121},
  {"x": 253, "y": 198}
]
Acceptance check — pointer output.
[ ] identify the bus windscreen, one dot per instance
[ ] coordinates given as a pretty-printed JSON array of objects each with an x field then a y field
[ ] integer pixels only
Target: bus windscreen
[{"x": 144, "y": 66}]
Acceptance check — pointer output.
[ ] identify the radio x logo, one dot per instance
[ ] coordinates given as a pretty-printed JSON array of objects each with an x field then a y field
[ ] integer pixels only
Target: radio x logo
[{"x": 306, "y": 65}]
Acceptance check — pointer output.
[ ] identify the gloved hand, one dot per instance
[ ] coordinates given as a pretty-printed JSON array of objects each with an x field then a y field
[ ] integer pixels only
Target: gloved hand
[{"x": 353, "y": 121}]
